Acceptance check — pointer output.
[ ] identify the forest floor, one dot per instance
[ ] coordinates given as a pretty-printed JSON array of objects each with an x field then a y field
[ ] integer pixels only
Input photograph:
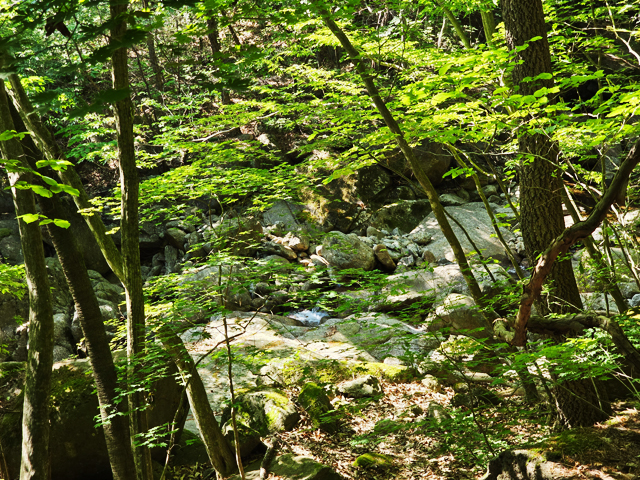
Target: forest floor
[{"x": 459, "y": 449}]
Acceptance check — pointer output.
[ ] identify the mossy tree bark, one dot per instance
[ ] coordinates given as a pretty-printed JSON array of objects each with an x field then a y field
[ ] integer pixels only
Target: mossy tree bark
[
  {"x": 35, "y": 417},
  {"x": 115, "y": 422},
  {"x": 129, "y": 190}
]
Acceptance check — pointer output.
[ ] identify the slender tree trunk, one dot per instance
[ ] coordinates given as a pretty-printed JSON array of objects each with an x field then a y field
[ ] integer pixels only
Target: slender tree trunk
[
  {"x": 115, "y": 422},
  {"x": 462, "y": 35},
  {"x": 213, "y": 35},
  {"x": 218, "y": 448},
  {"x": 35, "y": 418},
  {"x": 423, "y": 179},
  {"x": 129, "y": 230},
  {"x": 47, "y": 144},
  {"x": 489, "y": 27},
  {"x": 153, "y": 57}
]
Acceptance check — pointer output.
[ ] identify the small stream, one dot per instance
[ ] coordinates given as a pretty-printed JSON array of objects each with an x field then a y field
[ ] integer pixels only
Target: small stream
[{"x": 310, "y": 318}]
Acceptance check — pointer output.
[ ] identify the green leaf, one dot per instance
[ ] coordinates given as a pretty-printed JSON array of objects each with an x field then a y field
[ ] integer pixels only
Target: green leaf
[
  {"x": 61, "y": 223},
  {"x": 29, "y": 217},
  {"x": 40, "y": 190},
  {"x": 444, "y": 69}
]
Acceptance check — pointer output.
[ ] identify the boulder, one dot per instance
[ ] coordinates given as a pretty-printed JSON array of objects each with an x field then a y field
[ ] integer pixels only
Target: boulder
[
  {"x": 382, "y": 254},
  {"x": 316, "y": 403},
  {"x": 525, "y": 464},
  {"x": 404, "y": 216},
  {"x": 461, "y": 313},
  {"x": 404, "y": 289},
  {"x": 434, "y": 158},
  {"x": 77, "y": 448},
  {"x": 366, "y": 386},
  {"x": 476, "y": 222},
  {"x": 266, "y": 411},
  {"x": 292, "y": 467},
  {"x": 371, "y": 184},
  {"x": 347, "y": 251},
  {"x": 284, "y": 212}
]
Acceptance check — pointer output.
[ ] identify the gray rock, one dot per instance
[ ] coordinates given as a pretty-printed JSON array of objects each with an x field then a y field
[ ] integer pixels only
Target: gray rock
[
  {"x": 374, "y": 232},
  {"x": 297, "y": 241},
  {"x": 292, "y": 467},
  {"x": 170, "y": 259},
  {"x": 366, "y": 386},
  {"x": 405, "y": 215},
  {"x": 629, "y": 289},
  {"x": 598, "y": 301},
  {"x": 434, "y": 158},
  {"x": 475, "y": 220},
  {"x": 11, "y": 250},
  {"x": 285, "y": 212},
  {"x": 382, "y": 254},
  {"x": 489, "y": 190},
  {"x": 460, "y": 312},
  {"x": 421, "y": 237},
  {"x": 176, "y": 237},
  {"x": 347, "y": 251},
  {"x": 60, "y": 353},
  {"x": 408, "y": 261},
  {"x": 284, "y": 251},
  {"x": 517, "y": 464},
  {"x": 451, "y": 200},
  {"x": 241, "y": 235},
  {"x": 61, "y": 330},
  {"x": 635, "y": 301}
]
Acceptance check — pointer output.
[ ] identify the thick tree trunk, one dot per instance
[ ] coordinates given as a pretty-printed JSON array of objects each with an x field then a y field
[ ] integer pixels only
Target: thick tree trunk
[
  {"x": 35, "y": 417},
  {"x": 541, "y": 190},
  {"x": 129, "y": 230}
]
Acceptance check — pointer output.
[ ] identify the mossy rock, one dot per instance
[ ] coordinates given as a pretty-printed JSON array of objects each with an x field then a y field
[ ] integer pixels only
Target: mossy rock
[
  {"x": 315, "y": 401},
  {"x": 390, "y": 373},
  {"x": 77, "y": 448},
  {"x": 265, "y": 410},
  {"x": 373, "y": 460},
  {"x": 5, "y": 232},
  {"x": 249, "y": 438}
]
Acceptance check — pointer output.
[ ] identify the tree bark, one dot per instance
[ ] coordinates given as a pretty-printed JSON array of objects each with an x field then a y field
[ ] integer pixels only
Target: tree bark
[
  {"x": 540, "y": 179},
  {"x": 462, "y": 35},
  {"x": 35, "y": 418},
  {"x": 115, "y": 422},
  {"x": 406, "y": 149},
  {"x": 153, "y": 57},
  {"x": 489, "y": 27},
  {"x": 213, "y": 35},
  {"x": 129, "y": 187},
  {"x": 218, "y": 449},
  {"x": 47, "y": 144}
]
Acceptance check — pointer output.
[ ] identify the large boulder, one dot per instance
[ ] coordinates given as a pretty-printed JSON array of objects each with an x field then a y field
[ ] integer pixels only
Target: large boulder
[
  {"x": 287, "y": 214},
  {"x": 347, "y": 251},
  {"x": 461, "y": 313},
  {"x": 77, "y": 448},
  {"x": 316, "y": 403},
  {"x": 476, "y": 222},
  {"x": 371, "y": 184},
  {"x": 404, "y": 216},
  {"x": 241, "y": 235},
  {"x": 266, "y": 411}
]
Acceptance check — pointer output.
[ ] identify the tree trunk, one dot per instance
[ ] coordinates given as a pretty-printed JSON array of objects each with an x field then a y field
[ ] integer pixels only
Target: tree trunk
[
  {"x": 153, "y": 57},
  {"x": 47, "y": 144},
  {"x": 540, "y": 180},
  {"x": 115, "y": 422},
  {"x": 35, "y": 417},
  {"x": 213, "y": 34},
  {"x": 489, "y": 27},
  {"x": 464, "y": 38},
  {"x": 218, "y": 449},
  {"x": 541, "y": 190},
  {"x": 407, "y": 151},
  {"x": 129, "y": 230}
]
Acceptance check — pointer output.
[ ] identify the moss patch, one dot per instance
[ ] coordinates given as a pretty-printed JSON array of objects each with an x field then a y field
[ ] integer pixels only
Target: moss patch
[{"x": 373, "y": 460}]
